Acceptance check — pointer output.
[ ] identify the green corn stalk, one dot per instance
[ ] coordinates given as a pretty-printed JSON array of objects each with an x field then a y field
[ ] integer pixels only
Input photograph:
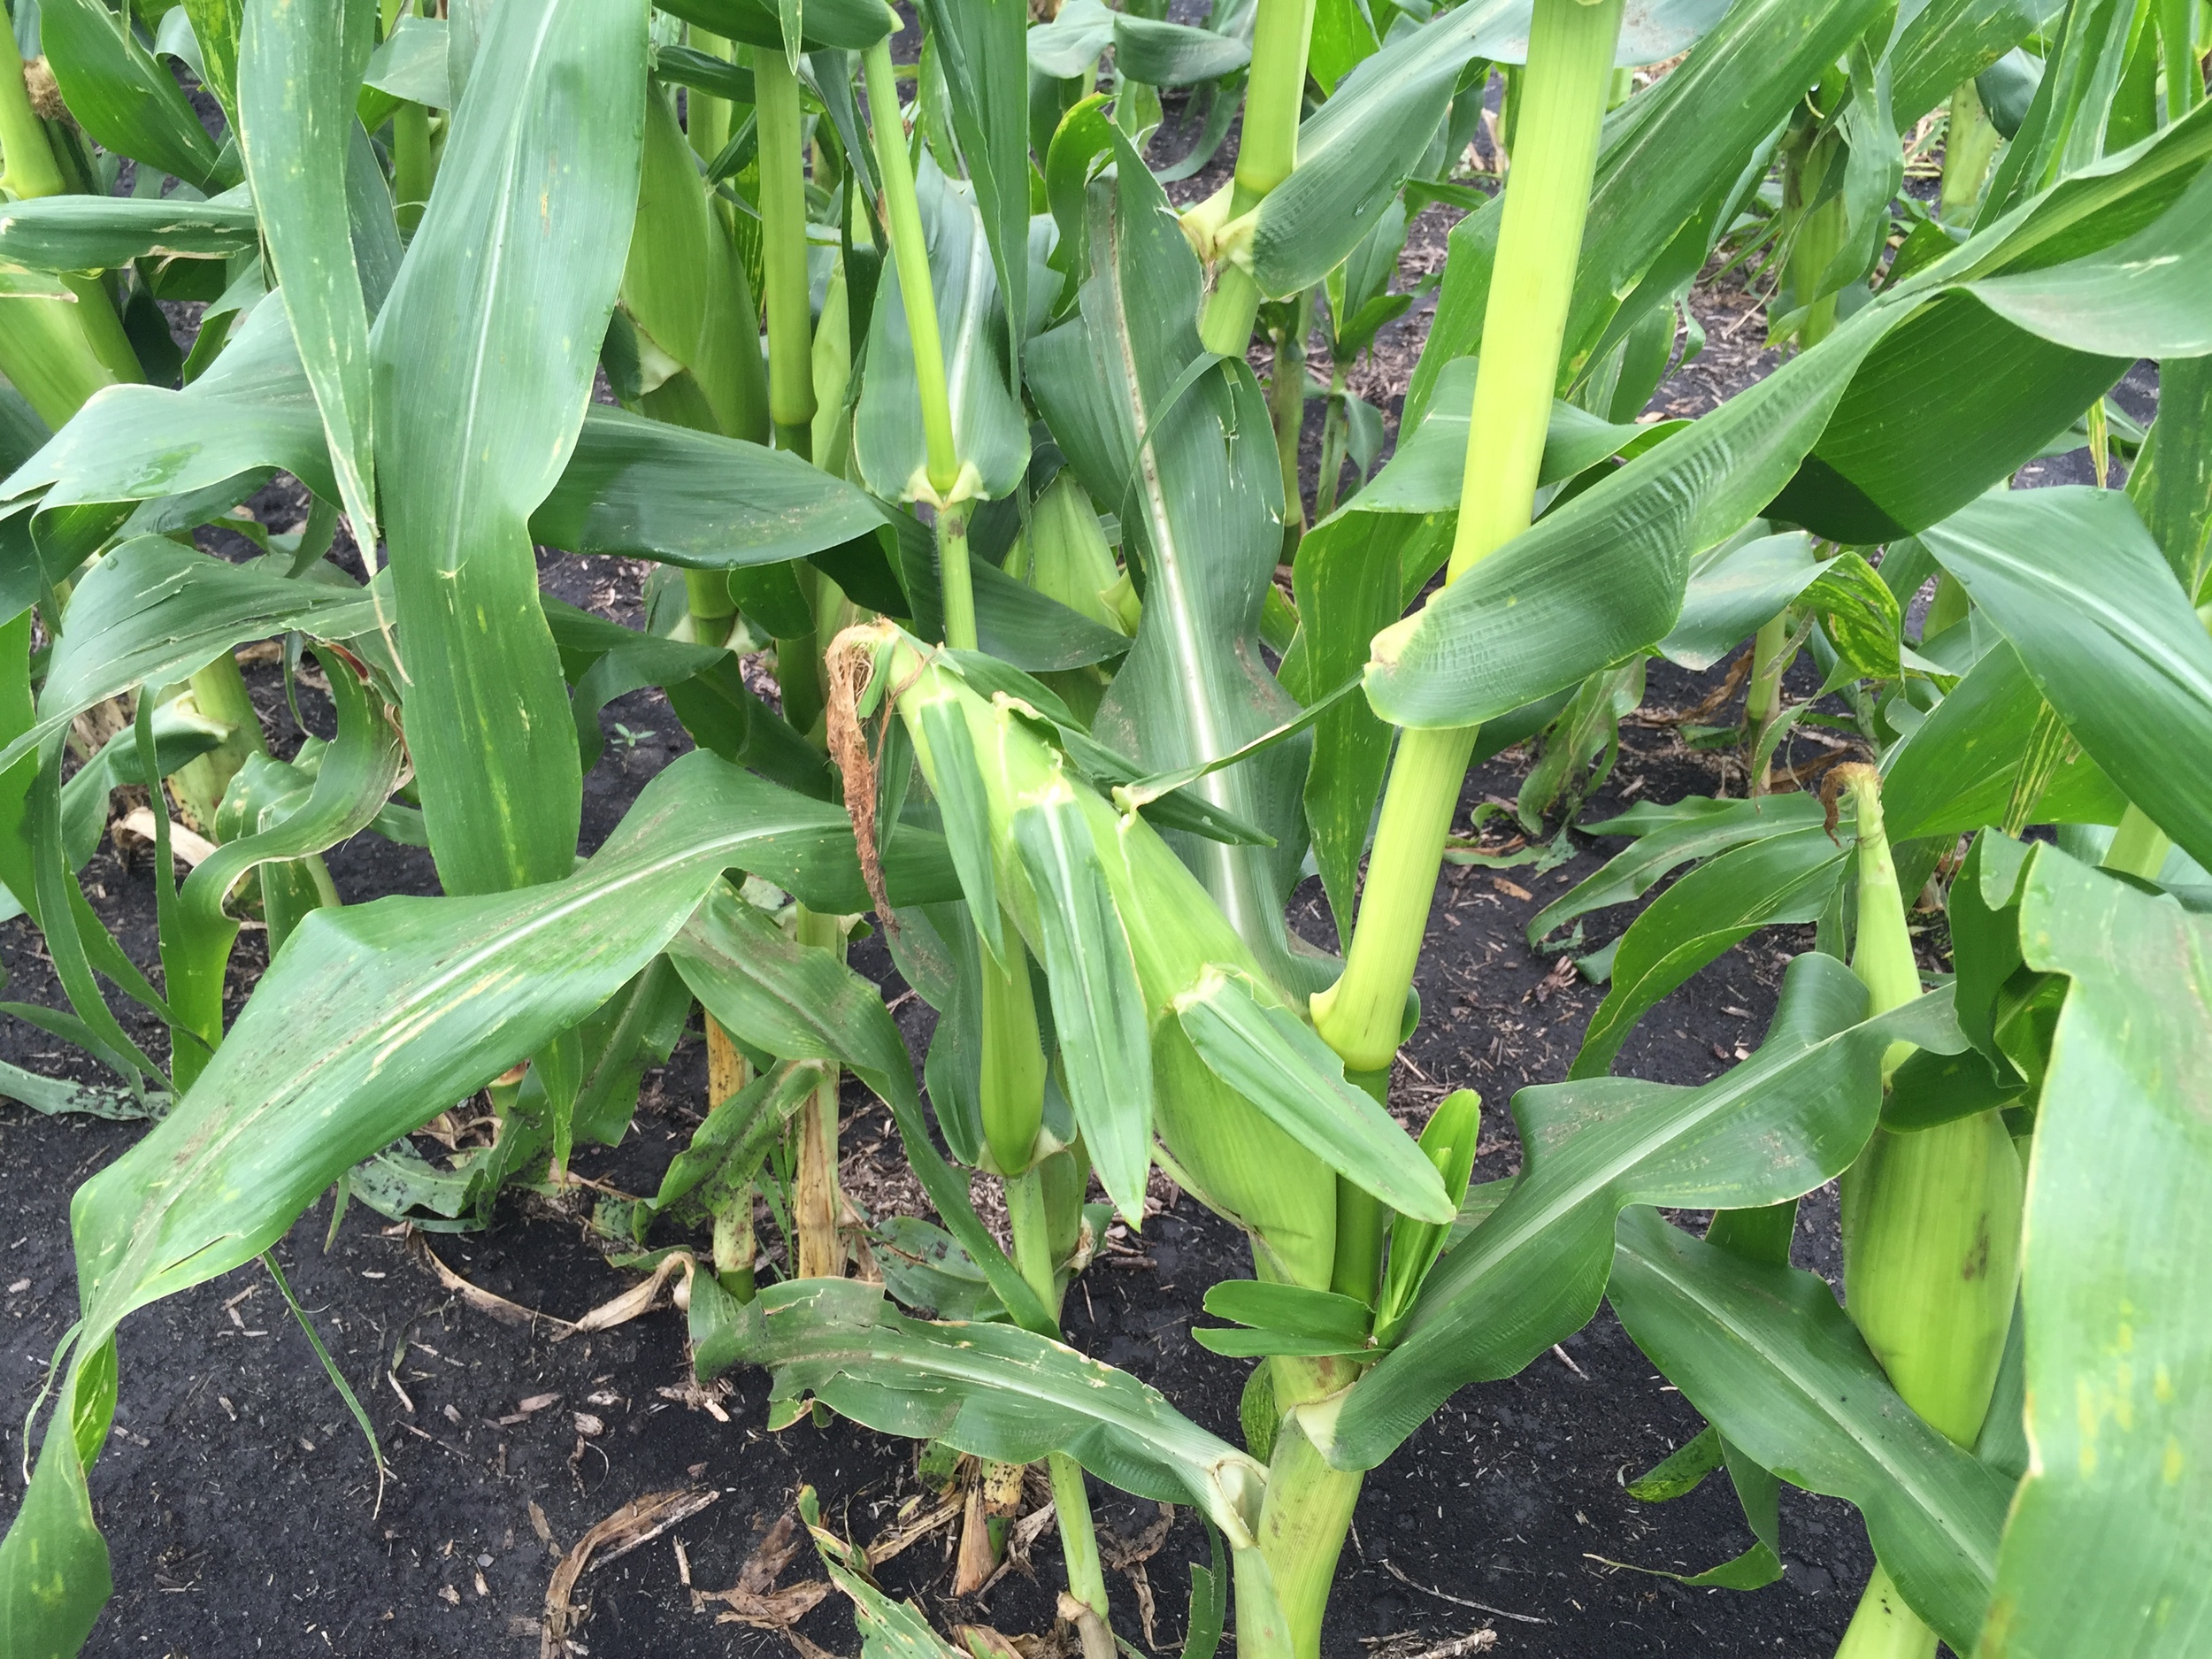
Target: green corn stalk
[
  {"x": 1772, "y": 654},
  {"x": 783, "y": 230},
  {"x": 57, "y": 353},
  {"x": 1274, "y": 103},
  {"x": 707, "y": 118},
  {"x": 1547, "y": 198},
  {"x": 1930, "y": 1229},
  {"x": 1286, "y": 404},
  {"x": 2184, "y": 69}
]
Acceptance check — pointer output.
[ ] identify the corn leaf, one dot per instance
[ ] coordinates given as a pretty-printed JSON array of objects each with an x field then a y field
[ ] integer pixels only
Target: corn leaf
[
  {"x": 850, "y": 25},
  {"x": 2065, "y": 127},
  {"x": 2102, "y": 1538},
  {"x": 410, "y": 62},
  {"x": 1961, "y": 768},
  {"x": 121, "y": 95},
  {"x": 1950, "y": 42},
  {"x": 1098, "y": 1007},
  {"x": 1667, "y": 838},
  {"x": 91, "y": 232},
  {"x": 300, "y": 70},
  {"x": 1765, "y": 1354},
  {"x": 1789, "y": 874},
  {"x": 1775, "y": 1127},
  {"x": 2171, "y": 484},
  {"x": 484, "y": 358},
  {"x": 372, "y": 1019},
  {"x": 1190, "y": 467},
  {"x": 2105, "y": 633},
  {"x": 1275, "y": 1061},
  {"x": 1452, "y": 663},
  {"x": 152, "y": 611},
  {"x": 1733, "y": 590},
  {"x": 993, "y": 1390}
]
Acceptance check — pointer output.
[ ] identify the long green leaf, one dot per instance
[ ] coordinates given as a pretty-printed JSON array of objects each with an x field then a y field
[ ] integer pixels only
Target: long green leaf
[
  {"x": 121, "y": 95},
  {"x": 1792, "y": 1117},
  {"x": 91, "y": 232},
  {"x": 1789, "y": 874},
  {"x": 1098, "y": 1007},
  {"x": 299, "y": 71},
  {"x": 2085, "y": 597},
  {"x": 1962, "y": 767},
  {"x": 152, "y": 611},
  {"x": 372, "y": 1020},
  {"x": 994, "y": 1390},
  {"x": 1766, "y": 1355},
  {"x": 1275, "y": 1060},
  {"x": 1668, "y": 837},
  {"x": 484, "y": 357},
  {"x": 2104, "y": 1552}
]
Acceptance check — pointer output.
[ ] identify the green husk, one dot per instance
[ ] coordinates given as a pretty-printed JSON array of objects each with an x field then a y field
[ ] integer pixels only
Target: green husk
[
  {"x": 1223, "y": 1149},
  {"x": 1930, "y": 1227}
]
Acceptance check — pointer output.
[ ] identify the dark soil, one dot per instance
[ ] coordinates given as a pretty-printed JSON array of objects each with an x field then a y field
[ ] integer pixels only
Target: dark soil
[
  {"x": 245, "y": 1517},
  {"x": 242, "y": 1509}
]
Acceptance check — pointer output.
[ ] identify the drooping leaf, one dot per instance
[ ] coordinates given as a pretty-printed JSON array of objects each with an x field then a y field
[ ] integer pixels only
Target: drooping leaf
[
  {"x": 1766, "y": 1355},
  {"x": 121, "y": 97},
  {"x": 1734, "y": 590},
  {"x": 1777, "y": 1126},
  {"x": 374, "y": 1019},
  {"x": 993, "y": 1390},
  {"x": 152, "y": 611},
  {"x": 1278, "y": 1062},
  {"x": 358, "y": 773},
  {"x": 1666, "y": 838},
  {"x": 1098, "y": 1006},
  {"x": 1785, "y": 875},
  {"x": 1962, "y": 768},
  {"x": 92, "y": 233}
]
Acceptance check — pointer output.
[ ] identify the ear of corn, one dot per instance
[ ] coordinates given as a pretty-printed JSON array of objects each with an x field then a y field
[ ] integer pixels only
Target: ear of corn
[
  {"x": 1930, "y": 1227},
  {"x": 1044, "y": 825}
]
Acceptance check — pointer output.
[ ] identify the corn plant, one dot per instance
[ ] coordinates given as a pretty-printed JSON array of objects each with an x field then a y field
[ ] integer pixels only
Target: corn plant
[{"x": 1005, "y": 507}]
